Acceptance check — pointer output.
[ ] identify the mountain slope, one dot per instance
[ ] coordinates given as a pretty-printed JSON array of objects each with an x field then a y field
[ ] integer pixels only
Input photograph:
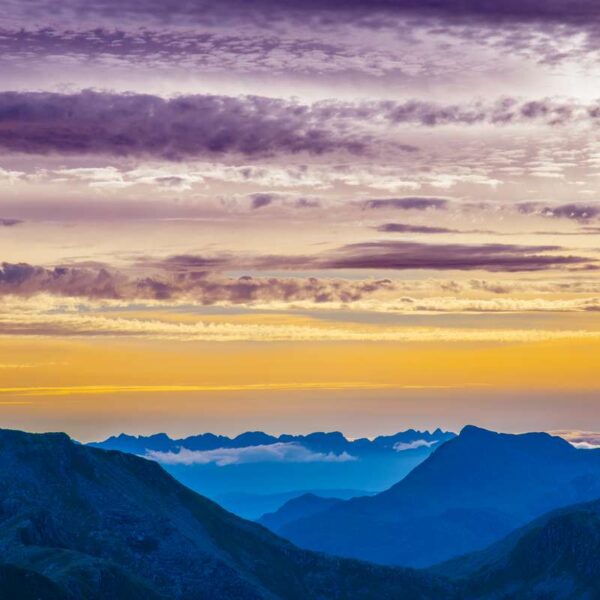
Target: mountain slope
[
  {"x": 470, "y": 492},
  {"x": 104, "y": 524},
  {"x": 22, "y": 584},
  {"x": 254, "y": 506},
  {"x": 303, "y": 506},
  {"x": 554, "y": 557}
]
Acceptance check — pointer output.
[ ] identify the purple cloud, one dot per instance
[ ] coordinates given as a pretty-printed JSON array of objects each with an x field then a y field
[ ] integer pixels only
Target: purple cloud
[
  {"x": 91, "y": 122},
  {"x": 408, "y": 203},
  {"x": 24, "y": 279},
  {"x": 143, "y": 125},
  {"x": 10, "y": 222},
  {"x": 405, "y": 228},
  {"x": 571, "y": 11},
  {"x": 260, "y": 200},
  {"x": 178, "y": 277},
  {"x": 463, "y": 257},
  {"x": 573, "y": 211}
]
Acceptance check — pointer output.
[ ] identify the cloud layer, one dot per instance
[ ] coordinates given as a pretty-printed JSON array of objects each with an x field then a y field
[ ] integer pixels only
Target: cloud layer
[
  {"x": 196, "y": 126},
  {"x": 290, "y": 452},
  {"x": 144, "y": 125}
]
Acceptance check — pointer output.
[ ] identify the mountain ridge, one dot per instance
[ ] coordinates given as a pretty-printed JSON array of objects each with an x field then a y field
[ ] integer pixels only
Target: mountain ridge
[
  {"x": 210, "y": 441},
  {"x": 468, "y": 493}
]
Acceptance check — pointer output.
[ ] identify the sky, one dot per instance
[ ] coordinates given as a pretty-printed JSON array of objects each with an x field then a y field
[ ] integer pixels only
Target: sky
[{"x": 358, "y": 215}]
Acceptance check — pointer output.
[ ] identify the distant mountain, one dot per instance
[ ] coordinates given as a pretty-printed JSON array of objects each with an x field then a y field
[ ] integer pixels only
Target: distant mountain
[
  {"x": 297, "y": 508},
  {"x": 322, "y": 442},
  {"x": 253, "y": 506},
  {"x": 79, "y": 522},
  {"x": 471, "y": 491},
  {"x": 553, "y": 558},
  {"x": 258, "y": 463}
]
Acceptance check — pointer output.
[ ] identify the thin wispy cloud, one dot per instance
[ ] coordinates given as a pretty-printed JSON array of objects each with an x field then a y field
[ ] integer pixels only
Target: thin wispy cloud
[
  {"x": 402, "y": 446},
  {"x": 290, "y": 452}
]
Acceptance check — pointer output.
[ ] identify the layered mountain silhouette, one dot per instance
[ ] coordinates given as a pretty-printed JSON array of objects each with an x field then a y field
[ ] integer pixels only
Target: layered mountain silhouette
[
  {"x": 468, "y": 493},
  {"x": 319, "y": 441},
  {"x": 285, "y": 466},
  {"x": 297, "y": 508},
  {"x": 255, "y": 506},
  {"x": 79, "y": 522}
]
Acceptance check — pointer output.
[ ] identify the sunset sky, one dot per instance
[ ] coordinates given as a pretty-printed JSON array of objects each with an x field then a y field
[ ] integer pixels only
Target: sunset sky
[{"x": 358, "y": 215}]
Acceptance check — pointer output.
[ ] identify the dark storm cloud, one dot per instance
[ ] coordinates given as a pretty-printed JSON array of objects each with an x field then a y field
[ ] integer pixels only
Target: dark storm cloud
[
  {"x": 407, "y": 203},
  {"x": 10, "y": 222}
]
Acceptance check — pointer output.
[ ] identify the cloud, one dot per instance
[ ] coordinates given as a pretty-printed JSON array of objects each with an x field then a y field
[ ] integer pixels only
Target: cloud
[
  {"x": 24, "y": 279},
  {"x": 200, "y": 126},
  {"x": 582, "y": 213},
  {"x": 405, "y": 228},
  {"x": 306, "y": 203},
  {"x": 10, "y": 222},
  {"x": 201, "y": 278},
  {"x": 407, "y": 203},
  {"x": 260, "y": 200},
  {"x": 574, "y": 11},
  {"x": 142, "y": 125},
  {"x": 402, "y": 255},
  {"x": 464, "y": 257},
  {"x": 290, "y": 452},
  {"x": 89, "y": 321},
  {"x": 577, "y": 212},
  {"x": 401, "y": 446},
  {"x": 586, "y": 440},
  {"x": 182, "y": 276}
]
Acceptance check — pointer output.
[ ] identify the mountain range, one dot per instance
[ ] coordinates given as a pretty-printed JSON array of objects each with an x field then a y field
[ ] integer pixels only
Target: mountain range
[
  {"x": 255, "y": 472},
  {"x": 468, "y": 493},
  {"x": 319, "y": 441},
  {"x": 79, "y": 522}
]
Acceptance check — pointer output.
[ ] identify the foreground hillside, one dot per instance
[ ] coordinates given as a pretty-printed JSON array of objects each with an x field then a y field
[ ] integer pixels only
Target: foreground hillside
[
  {"x": 555, "y": 558},
  {"x": 470, "y": 492},
  {"x": 80, "y": 522}
]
